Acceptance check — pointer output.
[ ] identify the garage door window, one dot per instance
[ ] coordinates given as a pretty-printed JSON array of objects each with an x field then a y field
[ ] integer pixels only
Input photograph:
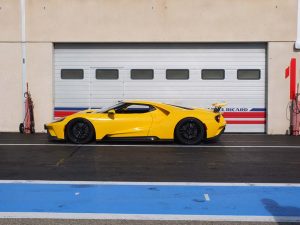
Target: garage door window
[
  {"x": 107, "y": 74},
  {"x": 248, "y": 74},
  {"x": 72, "y": 74},
  {"x": 142, "y": 74},
  {"x": 212, "y": 74},
  {"x": 178, "y": 74}
]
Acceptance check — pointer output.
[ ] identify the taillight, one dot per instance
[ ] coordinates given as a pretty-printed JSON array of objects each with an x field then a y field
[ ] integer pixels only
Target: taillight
[{"x": 217, "y": 118}]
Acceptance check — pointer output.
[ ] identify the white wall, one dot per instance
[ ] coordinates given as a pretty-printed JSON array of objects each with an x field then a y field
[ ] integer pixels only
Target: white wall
[
  {"x": 10, "y": 86},
  {"x": 279, "y": 56},
  {"x": 39, "y": 77}
]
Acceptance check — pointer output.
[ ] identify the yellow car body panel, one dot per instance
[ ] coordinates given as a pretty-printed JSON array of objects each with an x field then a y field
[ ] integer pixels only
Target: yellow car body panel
[{"x": 160, "y": 123}]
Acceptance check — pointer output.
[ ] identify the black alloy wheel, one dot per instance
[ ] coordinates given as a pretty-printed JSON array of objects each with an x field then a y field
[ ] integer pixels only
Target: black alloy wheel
[
  {"x": 189, "y": 131},
  {"x": 80, "y": 131}
]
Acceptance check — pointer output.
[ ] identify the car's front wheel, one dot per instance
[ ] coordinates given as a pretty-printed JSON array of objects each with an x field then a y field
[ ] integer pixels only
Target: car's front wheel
[
  {"x": 189, "y": 131},
  {"x": 80, "y": 131}
]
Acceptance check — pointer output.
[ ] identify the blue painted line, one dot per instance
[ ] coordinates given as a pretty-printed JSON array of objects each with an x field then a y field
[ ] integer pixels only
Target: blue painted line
[
  {"x": 70, "y": 108},
  {"x": 151, "y": 199},
  {"x": 258, "y": 109},
  {"x": 73, "y": 108}
]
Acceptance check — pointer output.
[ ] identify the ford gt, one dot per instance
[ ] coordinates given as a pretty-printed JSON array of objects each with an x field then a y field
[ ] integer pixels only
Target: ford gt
[{"x": 140, "y": 120}]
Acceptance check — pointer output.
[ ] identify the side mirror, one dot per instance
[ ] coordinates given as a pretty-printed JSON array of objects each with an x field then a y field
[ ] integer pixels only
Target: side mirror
[{"x": 111, "y": 112}]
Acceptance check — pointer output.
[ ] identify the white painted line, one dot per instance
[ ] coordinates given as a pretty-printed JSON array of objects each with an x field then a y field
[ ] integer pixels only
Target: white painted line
[
  {"x": 154, "y": 146},
  {"x": 147, "y": 183},
  {"x": 147, "y": 217},
  {"x": 207, "y": 198}
]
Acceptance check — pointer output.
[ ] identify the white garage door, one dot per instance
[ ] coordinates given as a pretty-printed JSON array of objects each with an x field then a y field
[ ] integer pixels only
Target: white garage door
[{"x": 93, "y": 76}]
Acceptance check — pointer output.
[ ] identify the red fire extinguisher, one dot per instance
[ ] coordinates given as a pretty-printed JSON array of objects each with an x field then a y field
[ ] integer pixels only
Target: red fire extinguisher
[
  {"x": 295, "y": 117},
  {"x": 291, "y": 72},
  {"x": 28, "y": 124}
]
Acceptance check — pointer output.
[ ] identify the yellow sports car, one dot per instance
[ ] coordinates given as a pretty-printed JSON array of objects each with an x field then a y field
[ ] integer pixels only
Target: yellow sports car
[{"x": 140, "y": 120}]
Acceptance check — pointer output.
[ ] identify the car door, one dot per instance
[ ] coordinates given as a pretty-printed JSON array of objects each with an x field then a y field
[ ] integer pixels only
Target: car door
[{"x": 132, "y": 120}]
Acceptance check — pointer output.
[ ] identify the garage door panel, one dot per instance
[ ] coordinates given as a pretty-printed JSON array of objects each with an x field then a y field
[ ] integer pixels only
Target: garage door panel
[
  {"x": 141, "y": 61},
  {"x": 187, "y": 88},
  {"x": 104, "y": 92},
  {"x": 241, "y": 128},
  {"x": 187, "y": 96},
  {"x": 94, "y": 97},
  {"x": 69, "y": 85},
  {"x": 188, "y": 84},
  {"x": 242, "y": 95},
  {"x": 193, "y": 87}
]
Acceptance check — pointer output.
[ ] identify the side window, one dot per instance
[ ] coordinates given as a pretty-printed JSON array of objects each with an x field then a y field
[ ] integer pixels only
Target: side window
[
  {"x": 213, "y": 74},
  {"x": 248, "y": 74},
  {"x": 107, "y": 74},
  {"x": 177, "y": 74},
  {"x": 142, "y": 74},
  {"x": 71, "y": 74},
  {"x": 135, "y": 108}
]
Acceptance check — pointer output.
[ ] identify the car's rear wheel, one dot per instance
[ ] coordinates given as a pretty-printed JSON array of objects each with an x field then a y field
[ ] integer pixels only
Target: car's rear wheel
[
  {"x": 80, "y": 131},
  {"x": 189, "y": 131}
]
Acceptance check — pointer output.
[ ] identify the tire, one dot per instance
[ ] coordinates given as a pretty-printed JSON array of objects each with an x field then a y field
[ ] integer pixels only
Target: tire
[
  {"x": 80, "y": 131},
  {"x": 21, "y": 128},
  {"x": 32, "y": 130},
  {"x": 189, "y": 131}
]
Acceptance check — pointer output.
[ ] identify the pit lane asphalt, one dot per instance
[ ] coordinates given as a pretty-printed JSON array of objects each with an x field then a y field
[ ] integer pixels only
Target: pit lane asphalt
[
  {"x": 125, "y": 222},
  {"x": 233, "y": 158}
]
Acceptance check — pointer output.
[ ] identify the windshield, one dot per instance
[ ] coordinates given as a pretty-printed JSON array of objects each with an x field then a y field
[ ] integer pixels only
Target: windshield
[{"x": 105, "y": 109}]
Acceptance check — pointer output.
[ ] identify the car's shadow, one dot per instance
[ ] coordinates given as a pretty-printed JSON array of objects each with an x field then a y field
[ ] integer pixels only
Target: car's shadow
[{"x": 136, "y": 142}]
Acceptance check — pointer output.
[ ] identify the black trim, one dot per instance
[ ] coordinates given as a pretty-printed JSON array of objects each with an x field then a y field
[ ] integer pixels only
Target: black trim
[
  {"x": 151, "y": 108},
  {"x": 216, "y": 137},
  {"x": 208, "y": 78},
  {"x": 170, "y": 77},
  {"x": 53, "y": 138},
  {"x": 100, "y": 76},
  {"x": 134, "y": 74},
  {"x": 146, "y": 138},
  {"x": 243, "y": 70},
  {"x": 72, "y": 74}
]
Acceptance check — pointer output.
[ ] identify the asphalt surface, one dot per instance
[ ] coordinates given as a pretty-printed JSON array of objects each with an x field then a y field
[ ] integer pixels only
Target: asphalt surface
[{"x": 233, "y": 158}]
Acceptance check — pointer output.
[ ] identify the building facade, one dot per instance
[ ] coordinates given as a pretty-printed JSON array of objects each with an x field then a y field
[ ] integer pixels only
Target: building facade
[{"x": 78, "y": 54}]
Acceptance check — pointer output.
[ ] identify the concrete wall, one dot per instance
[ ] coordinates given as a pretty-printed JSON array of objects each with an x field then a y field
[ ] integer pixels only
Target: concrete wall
[
  {"x": 10, "y": 20},
  {"x": 39, "y": 77},
  {"x": 279, "y": 55},
  {"x": 10, "y": 86},
  {"x": 161, "y": 20}
]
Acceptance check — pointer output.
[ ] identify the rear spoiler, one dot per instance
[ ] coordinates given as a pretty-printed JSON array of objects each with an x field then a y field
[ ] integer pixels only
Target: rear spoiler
[{"x": 218, "y": 106}]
